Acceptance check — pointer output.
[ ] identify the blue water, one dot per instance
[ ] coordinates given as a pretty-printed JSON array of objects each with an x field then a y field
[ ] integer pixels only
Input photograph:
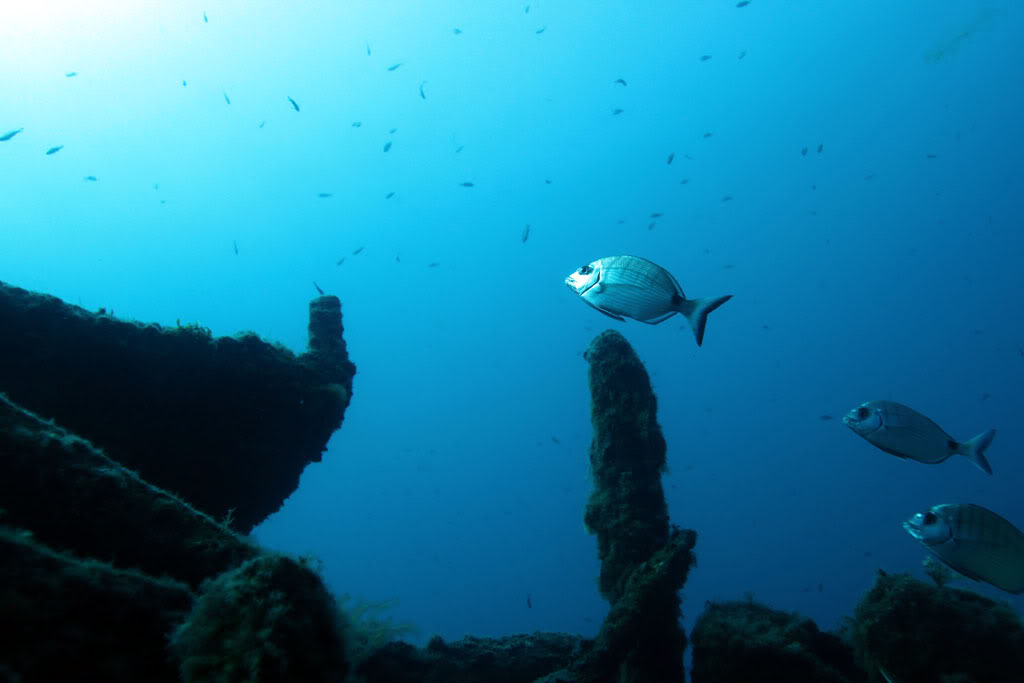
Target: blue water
[{"x": 886, "y": 266}]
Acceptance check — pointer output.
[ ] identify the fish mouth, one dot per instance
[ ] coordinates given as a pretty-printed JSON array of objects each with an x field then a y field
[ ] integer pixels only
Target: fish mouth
[{"x": 913, "y": 530}]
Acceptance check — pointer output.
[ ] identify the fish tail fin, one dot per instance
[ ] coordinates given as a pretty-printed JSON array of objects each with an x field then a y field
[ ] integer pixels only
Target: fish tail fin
[
  {"x": 974, "y": 450},
  {"x": 696, "y": 313}
]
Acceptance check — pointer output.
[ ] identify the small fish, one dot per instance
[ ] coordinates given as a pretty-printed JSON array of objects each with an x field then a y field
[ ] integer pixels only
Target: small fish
[
  {"x": 397, "y": 259},
  {"x": 367, "y": 49},
  {"x": 906, "y": 433},
  {"x": 466, "y": 184},
  {"x": 973, "y": 541},
  {"x": 708, "y": 134},
  {"x": 54, "y": 150},
  {"x": 633, "y": 287},
  {"x": 705, "y": 58},
  {"x": 652, "y": 225},
  {"x": 456, "y": 31},
  {"x": 184, "y": 83},
  {"x": 932, "y": 156},
  {"x": 10, "y": 134},
  {"x": 393, "y": 131},
  {"x": 526, "y": 10},
  {"x": 825, "y": 418},
  {"x": 324, "y": 195},
  {"x": 869, "y": 176},
  {"x": 395, "y": 66},
  {"x": 743, "y": 3},
  {"x": 620, "y": 81},
  {"x": 90, "y": 178},
  {"x": 529, "y": 601},
  {"x": 356, "y": 124},
  {"x": 547, "y": 181},
  {"x": 616, "y": 112},
  {"x": 226, "y": 98},
  {"x": 821, "y": 147},
  {"x": 803, "y": 152},
  {"x": 684, "y": 181},
  {"x": 387, "y": 145},
  {"x": 423, "y": 95},
  {"x": 71, "y": 74},
  {"x": 459, "y": 148},
  {"x": 433, "y": 264},
  {"x": 671, "y": 158},
  {"x": 657, "y": 215},
  {"x": 262, "y": 123},
  {"x": 554, "y": 440},
  {"x": 205, "y": 20},
  {"x": 358, "y": 250},
  {"x": 742, "y": 54},
  {"x": 318, "y": 288},
  {"x": 541, "y": 30},
  {"x": 526, "y": 233},
  {"x": 389, "y": 195},
  {"x": 294, "y": 103},
  {"x": 340, "y": 261},
  {"x": 235, "y": 245},
  {"x": 727, "y": 198}
]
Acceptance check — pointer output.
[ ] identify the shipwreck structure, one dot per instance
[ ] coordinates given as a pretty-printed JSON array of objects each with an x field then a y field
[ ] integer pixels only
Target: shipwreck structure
[{"x": 133, "y": 458}]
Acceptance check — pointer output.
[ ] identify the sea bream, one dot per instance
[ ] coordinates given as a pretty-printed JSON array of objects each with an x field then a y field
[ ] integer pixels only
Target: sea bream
[
  {"x": 633, "y": 287},
  {"x": 906, "y": 433},
  {"x": 973, "y": 541}
]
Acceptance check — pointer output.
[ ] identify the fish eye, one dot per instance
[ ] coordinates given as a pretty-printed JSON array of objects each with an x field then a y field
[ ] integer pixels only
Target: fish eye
[
  {"x": 930, "y": 518},
  {"x": 584, "y": 270},
  {"x": 863, "y": 413}
]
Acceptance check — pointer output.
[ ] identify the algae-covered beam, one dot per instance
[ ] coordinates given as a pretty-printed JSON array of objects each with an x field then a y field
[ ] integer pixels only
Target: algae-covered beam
[
  {"x": 644, "y": 559},
  {"x": 66, "y": 618},
  {"x": 227, "y": 423},
  {"x": 73, "y": 497}
]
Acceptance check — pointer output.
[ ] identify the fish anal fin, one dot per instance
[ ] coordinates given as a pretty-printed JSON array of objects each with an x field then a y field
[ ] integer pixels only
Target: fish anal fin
[{"x": 604, "y": 311}]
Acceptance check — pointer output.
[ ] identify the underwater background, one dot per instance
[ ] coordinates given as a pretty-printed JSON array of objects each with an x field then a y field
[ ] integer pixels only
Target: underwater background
[{"x": 850, "y": 173}]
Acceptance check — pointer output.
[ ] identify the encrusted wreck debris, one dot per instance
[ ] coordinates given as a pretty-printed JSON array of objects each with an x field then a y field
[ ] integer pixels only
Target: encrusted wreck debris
[
  {"x": 227, "y": 423},
  {"x": 644, "y": 559},
  {"x": 123, "y": 447},
  {"x": 71, "y": 496},
  {"x": 916, "y": 631},
  {"x": 746, "y": 641}
]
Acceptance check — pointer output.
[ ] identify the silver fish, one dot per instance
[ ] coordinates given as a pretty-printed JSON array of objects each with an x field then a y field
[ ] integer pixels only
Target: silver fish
[
  {"x": 906, "y": 433},
  {"x": 633, "y": 287},
  {"x": 973, "y": 541}
]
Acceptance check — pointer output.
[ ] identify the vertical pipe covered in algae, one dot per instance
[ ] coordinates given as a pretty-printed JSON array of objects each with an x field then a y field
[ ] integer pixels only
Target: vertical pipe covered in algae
[{"x": 644, "y": 559}]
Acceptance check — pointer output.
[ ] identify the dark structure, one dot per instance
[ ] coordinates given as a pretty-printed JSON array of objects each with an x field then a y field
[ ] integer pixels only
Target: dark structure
[
  {"x": 71, "y": 496},
  {"x": 515, "y": 659},
  {"x": 84, "y": 619},
  {"x": 227, "y": 423},
  {"x": 123, "y": 448},
  {"x": 644, "y": 559},
  {"x": 749, "y": 642},
  {"x": 919, "y": 632}
]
